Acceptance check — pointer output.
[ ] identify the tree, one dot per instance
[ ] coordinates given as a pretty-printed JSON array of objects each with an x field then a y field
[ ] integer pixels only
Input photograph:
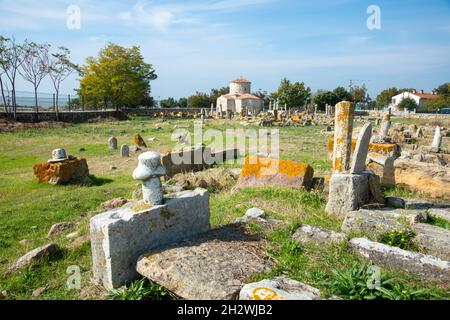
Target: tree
[
  {"x": 359, "y": 94},
  {"x": 168, "y": 103},
  {"x": 264, "y": 96},
  {"x": 199, "y": 100},
  {"x": 182, "y": 103},
  {"x": 384, "y": 98},
  {"x": 408, "y": 103},
  {"x": 119, "y": 76},
  {"x": 342, "y": 94},
  {"x": 60, "y": 68},
  {"x": 11, "y": 58},
  {"x": 292, "y": 94},
  {"x": 443, "y": 89},
  {"x": 322, "y": 98},
  {"x": 35, "y": 65},
  {"x": 216, "y": 93}
]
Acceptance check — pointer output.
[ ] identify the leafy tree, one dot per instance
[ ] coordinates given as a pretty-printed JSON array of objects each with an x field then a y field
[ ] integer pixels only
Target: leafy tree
[
  {"x": 182, "y": 103},
  {"x": 322, "y": 98},
  {"x": 408, "y": 103},
  {"x": 342, "y": 94},
  {"x": 443, "y": 89},
  {"x": 11, "y": 58},
  {"x": 384, "y": 98},
  {"x": 293, "y": 94},
  {"x": 216, "y": 93},
  {"x": 60, "y": 68},
  {"x": 199, "y": 100},
  {"x": 119, "y": 75},
  {"x": 264, "y": 96},
  {"x": 359, "y": 94},
  {"x": 168, "y": 103},
  {"x": 439, "y": 102}
]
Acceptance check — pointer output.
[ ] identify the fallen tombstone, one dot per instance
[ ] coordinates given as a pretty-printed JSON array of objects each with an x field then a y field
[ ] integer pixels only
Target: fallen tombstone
[
  {"x": 279, "y": 288},
  {"x": 318, "y": 236},
  {"x": 259, "y": 172},
  {"x": 425, "y": 178},
  {"x": 32, "y": 256},
  {"x": 138, "y": 141},
  {"x": 61, "y": 170},
  {"x": 424, "y": 266},
  {"x": 382, "y": 166},
  {"x": 212, "y": 266}
]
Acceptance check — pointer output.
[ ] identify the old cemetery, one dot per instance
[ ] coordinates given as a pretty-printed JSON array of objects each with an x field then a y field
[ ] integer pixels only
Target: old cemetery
[{"x": 343, "y": 206}]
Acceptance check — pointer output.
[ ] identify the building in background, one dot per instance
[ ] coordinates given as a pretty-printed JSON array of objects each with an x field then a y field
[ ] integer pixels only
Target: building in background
[
  {"x": 240, "y": 99},
  {"x": 420, "y": 98}
]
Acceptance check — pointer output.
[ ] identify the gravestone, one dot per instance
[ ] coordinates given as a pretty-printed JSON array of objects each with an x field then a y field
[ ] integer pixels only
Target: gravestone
[
  {"x": 112, "y": 142},
  {"x": 361, "y": 149},
  {"x": 124, "y": 151}
]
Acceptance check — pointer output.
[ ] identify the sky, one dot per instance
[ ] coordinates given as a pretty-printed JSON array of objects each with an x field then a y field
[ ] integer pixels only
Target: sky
[{"x": 199, "y": 45}]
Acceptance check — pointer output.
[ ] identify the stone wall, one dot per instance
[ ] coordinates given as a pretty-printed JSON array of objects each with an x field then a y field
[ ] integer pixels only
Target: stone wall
[{"x": 65, "y": 116}]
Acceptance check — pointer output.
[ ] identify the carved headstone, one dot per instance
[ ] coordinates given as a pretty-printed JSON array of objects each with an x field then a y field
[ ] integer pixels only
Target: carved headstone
[{"x": 361, "y": 149}]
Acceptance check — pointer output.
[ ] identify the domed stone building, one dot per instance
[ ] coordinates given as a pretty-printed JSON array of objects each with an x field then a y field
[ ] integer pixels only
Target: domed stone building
[{"x": 239, "y": 99}]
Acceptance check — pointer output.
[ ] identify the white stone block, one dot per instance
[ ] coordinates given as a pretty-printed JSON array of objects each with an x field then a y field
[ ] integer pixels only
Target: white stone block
[{"x": 120, "y": 235}]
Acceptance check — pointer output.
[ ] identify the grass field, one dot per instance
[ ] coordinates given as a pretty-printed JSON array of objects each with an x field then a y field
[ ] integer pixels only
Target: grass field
[{"x": 28, "y": 209}]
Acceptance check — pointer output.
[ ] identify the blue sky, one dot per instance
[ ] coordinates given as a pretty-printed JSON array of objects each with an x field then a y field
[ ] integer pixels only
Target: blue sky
[{"x": 199, "y": 45}]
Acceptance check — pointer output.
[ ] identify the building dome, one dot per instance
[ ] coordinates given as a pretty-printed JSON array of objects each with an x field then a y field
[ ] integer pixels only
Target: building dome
[{"x": 240, "y": 86}]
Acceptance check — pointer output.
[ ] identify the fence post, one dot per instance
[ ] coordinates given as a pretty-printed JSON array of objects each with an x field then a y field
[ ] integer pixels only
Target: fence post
[
  {"x": 69, "y": 102},
  {"x": 82, "y": 102},
  {"x": 54, "y": 104}
]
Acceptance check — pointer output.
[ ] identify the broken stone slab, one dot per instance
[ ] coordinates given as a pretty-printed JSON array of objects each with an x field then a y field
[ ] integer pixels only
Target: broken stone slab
[
  {"x": 113, "y": 203},
  {"x": 212, "y": 266},
  {"x": 424, "y": 266},
  {"x": 69, "y": 171},
  {"x": 279, "y": 288},
  {"x": 440, "y": 213},
  {"x": 187, "y": 160},
  {"x": 378, "y": 222},
  {"x": 434, "y": 240},
  {"x": 383, "y": 166},
  {"x": 318, "y": 236},
  {"x": 266, "y": 172},
  {"x": 347, "y": 192},
  {"x": 425, "y": 178},
  {"x": 361, "y": 150},
  {"x": 253, "y": 213},
  {"x": 120, "y": 235},
  {"x": 31, "y": 257},
  {"x": 60, "y": 227}
]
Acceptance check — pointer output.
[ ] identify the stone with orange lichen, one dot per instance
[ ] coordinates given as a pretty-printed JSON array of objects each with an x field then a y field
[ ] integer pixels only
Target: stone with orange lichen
[
  {"x": 390, "y": 149},
  {"x": 69, "y": 171},
  {"x": 258, "y": 171},
  {"x": 139, "y": 141}
]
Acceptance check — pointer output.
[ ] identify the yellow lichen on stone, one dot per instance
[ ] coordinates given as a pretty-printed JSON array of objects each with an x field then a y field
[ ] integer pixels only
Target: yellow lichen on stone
[{"x": 255, "y": 166}]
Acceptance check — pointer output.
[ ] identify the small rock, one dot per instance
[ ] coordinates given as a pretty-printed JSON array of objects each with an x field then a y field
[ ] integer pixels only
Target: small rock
[
  {"x": 279, "y": 288},
  {"x": 395, "y": 202},
  {"x": 25, "y": 242},
  {"x": 113, "y": 203},
  {"x": 151, "y": 139},
  {"x": 78, "y": 242},
  {"x": 30, "y": 257},
  {"x": 253, "y": 213},
  {"x": 34, "y": 227},
  {"x": 4, "y": 293},
  {"x": 38, "y": 292},
  {"x": 112, "y": 168},
  {"x": 82, "y": 149},
  {"x": 58, "y": 228},
  {"x": 73, "y": 235}
]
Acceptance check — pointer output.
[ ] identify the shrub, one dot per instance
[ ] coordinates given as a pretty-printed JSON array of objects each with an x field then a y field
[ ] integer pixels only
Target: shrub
[
  {"x": 404, "y": 239},
  {"x": 139, "y": 290}
]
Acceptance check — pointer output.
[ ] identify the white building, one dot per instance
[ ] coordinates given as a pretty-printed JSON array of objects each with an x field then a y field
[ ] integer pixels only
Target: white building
[
  {"x": 240, "y": 99},
  {"x": 420, "y": 98}
]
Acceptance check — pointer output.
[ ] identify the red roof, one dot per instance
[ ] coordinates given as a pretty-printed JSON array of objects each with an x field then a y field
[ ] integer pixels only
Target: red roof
[{"x": 425, "y": 95}]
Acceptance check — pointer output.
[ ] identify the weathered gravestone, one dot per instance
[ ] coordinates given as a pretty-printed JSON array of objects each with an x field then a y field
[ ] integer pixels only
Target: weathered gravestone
[
  {"x": 124, "y": 151},
  {"x": 112, "y": 143}
]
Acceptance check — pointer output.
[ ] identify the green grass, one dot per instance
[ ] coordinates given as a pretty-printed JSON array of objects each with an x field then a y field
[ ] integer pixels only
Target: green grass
[
  {"x": 28, "y": 209},
  {"x": 438, "y": 222}
]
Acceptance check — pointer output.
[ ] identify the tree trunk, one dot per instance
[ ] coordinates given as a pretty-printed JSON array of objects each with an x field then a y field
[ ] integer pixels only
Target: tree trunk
[
  {"x": 36, "y": 100},
  {"x": 57, "y": 107},
  {"x": 13, "y": 96},
  {"x": 3, "y": 95}
]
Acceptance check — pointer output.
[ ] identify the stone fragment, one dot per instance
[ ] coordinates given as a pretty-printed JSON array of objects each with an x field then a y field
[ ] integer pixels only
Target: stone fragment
[
  {"x": 440, "y": 213},
  {"x": 279, "y": 288},
  {"x": 376, "y": 195},
  {"x": 434, "y": 240},
  {"x": 113, "y": 203},
  {"x": 69, "y": 171},
  {"x": 423, "y": 266},
  {"x": 318, "y": 236},
  {"x": 120, "y": 235},
  {"x": 150, "y": 170},
  {"x": 343, "y": 126},
  {"x": 124, "y": 151},
  {"x": 395, "y": 202},
  {"x": 58, "y": 155},
  {"x": 362, "y": 148},
  {"x": 259, "y": 172},
  {"x": 31, "y": 257},
  {"x": 138, "y": 141},
  {"x": 382, "y": 166},
  {"x": 112, "y": 143},
  {"x": 253, "y": 213},
  {"x": 213, "y": 266},
  {"x": 73, "y": 235},
  {"x": 60, "y": 227},
  {"x": 348, "y": 192},
  {"x": 437, "y": 139},
  {"x": 425, "y": 178},
  {"x": 38, "y": 291}
]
